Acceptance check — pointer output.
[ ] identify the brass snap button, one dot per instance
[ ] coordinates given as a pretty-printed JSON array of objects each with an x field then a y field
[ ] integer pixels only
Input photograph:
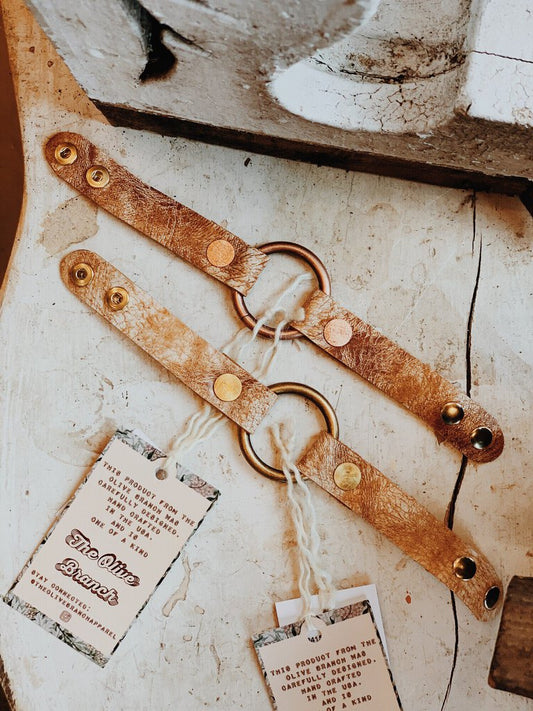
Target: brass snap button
[
  {"x": 347, "y": 476},
  {"x": 220, "y": 253},
  {"x": 66, "y": 153},
  {"x": 97, "y": 176},
  {"x": 452, "y": 413},
  {"x": 117, "y": 298},
  {"x": 227, "y": 387},
  {"x": 81, "y": 274}
]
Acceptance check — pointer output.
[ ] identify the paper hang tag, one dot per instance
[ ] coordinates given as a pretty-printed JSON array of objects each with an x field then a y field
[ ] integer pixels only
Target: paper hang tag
[
  {"x": 344, "y": 669},
  {"x": 111, "y": 547},
  {"x": 290, "y": 611}
]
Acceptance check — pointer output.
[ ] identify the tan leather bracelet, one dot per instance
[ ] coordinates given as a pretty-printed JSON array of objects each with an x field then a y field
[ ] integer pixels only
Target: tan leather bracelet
[
  {"x": 194, "y": 238},
  {"x": 453, "y": 416},
  {"x": 208, "y": 372},
  {"x": 389, "y": 509}
]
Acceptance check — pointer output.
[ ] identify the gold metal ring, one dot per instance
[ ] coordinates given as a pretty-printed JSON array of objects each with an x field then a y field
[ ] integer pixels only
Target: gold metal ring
[
  {"x": 306, "y": 391},
  {"x": 296, "y": 250}
]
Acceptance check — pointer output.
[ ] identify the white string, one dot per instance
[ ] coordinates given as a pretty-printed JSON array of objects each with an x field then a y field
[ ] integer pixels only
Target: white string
[
  {"x": 203, "y": 425},
  {"x": 303, "y": 515}
]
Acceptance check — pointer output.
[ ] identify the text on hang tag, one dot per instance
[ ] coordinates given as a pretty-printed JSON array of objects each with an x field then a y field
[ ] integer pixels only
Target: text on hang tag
[
  {"x": 341, "y": 667},
  {"x": 114, "y": 542}
]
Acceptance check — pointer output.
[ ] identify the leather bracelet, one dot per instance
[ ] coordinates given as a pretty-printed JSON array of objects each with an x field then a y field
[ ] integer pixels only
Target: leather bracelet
[
  {"x": 208, "y": 372},
  {"x": 390, "y": 510},
  {"x": 453, "y": 416},
  {"x": 194, "y": 238}
]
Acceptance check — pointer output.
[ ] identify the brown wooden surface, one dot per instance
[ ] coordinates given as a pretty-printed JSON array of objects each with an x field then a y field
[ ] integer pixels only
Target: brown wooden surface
[
  {"x": 175, "y": 226},
  {"x": 401, "y": 376},
  {"x": 165, "y": 338},
  {"x": 403, "y": 520},
  {"x": 512, "y": 663}
]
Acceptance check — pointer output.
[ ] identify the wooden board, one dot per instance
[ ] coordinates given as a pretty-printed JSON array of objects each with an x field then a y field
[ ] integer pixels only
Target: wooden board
[
  {"x": 512, "y": 663},
  {"x": 444, "y": 273},
  {"x": 427, "y": 90}
]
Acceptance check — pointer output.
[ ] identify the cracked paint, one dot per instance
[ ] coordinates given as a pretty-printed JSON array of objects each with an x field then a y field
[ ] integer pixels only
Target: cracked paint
[{"x": 450, "y": 513}]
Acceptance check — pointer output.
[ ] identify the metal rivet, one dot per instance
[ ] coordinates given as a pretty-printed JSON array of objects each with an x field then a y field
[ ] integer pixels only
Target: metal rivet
[
  {"x": 220, "y": 253},
  {"x": 161, "y": 474},
  {"x": 481, "y": 438},
  {"x": 97, "y": 176},
  {"x": 491, "y": 597},
  {"x": 347, "y": 476},
  {"x": 464, "y": 568},
  {"x": 117, "y": 298},
  {"x": 227, "y": 387},
  {"x": 81, "y": 274},
  {"x": 338, "y": 332},
  {"x": 65, "y": 153},
  {"x": 452, "y": 413}
]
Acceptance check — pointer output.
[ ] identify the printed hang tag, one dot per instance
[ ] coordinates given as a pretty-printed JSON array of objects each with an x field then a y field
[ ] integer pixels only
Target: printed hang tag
[
  {"x": 112, "y": 545},
  {"x": 289, "y": 611},
  {"x": 342, "y": 667}
]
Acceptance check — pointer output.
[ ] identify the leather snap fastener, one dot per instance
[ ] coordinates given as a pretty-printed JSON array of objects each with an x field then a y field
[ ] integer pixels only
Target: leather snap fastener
[
  {"x": 227, "y": 387},
  {"x": 347, "y": 476},
  {"x": 452, "y": 413},
  {"x": 81, "y": 274},
  {"x": 97, "y": 176},
  {"x": 66, "y": 153},
  {"x": 338, "y": 332},
  {"x": 117, "y": 298},
  {"x": 220, "y": 253}
]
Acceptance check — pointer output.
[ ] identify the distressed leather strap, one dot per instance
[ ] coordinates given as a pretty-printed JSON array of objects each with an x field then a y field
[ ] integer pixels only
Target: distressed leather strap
[
  {"x": 169, "y": 341},
  {"x": 402, "y": 377},
  {"x": 190, "y": 236},
  {"x": 406, "y": 523}
]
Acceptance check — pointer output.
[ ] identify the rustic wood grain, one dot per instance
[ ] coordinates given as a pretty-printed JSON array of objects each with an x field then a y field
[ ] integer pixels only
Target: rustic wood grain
[
  {"x": 169, "y": 341},
  {"x": 512, "y": 663},
  {"x": 175, "y": 226},
  {"x": 401, "y": 376},
  {"x": 403, "y": 520}
]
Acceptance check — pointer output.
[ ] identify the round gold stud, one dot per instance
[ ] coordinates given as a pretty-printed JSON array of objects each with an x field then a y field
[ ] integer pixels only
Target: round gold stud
[
  {"x": 338, "y": 332},
  {"x": 82, "y": 274},
  {"x": 220, "y": 253},
  {"x": 347, "y": 476},
  {"x": 452, "y": 413},
  {"x": 117, "y": 298},
  {"x": 65, "y": 153},
  {"x": 464, "y": 567},
  {"x": 227, "y": 387},
  {"x": 481, "y": 438},
  {"x": 97, "y": 176},
  {"x": 161, "y": 474}
]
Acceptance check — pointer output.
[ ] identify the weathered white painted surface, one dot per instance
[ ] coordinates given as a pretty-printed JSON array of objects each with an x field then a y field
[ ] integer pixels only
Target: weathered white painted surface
[
  {"x": 403, "y": 256},
  {"x": 415, "y": 65},
  {"x": 447, "y": 83}
]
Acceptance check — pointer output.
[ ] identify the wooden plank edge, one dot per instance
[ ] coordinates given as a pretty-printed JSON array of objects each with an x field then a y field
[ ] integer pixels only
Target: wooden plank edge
[
  {"x": 319, "y": 154},
  {"x": 7, "y": 700},
  {"x": 503, "y": 672}
]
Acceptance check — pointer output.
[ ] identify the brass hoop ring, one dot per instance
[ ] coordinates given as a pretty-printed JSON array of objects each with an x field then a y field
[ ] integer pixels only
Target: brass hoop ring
[
  {"x": 316, "y": 265},
  {"x": 309, "y": 393}
]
